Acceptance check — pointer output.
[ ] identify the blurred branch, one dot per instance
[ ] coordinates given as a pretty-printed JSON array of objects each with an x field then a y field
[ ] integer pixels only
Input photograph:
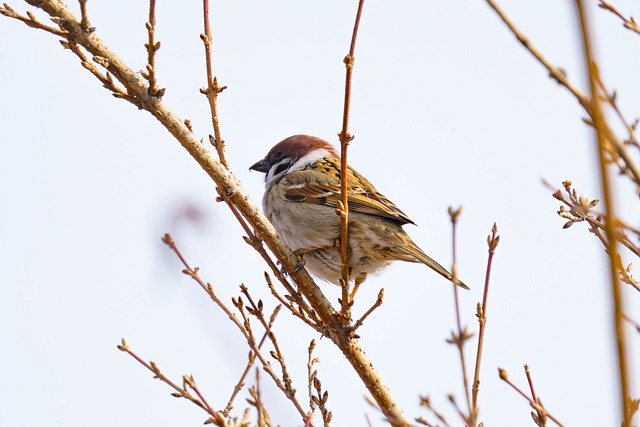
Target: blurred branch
[
  {"x": 425, "y": 402},
  {"x": 559, "y": 75},
  {"x": 599, "y": 123},
  {"x": 629, "y": 23}
]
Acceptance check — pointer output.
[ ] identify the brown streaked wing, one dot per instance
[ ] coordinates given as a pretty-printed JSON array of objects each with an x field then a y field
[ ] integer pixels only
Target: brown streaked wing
[{"x": 320, "y": 184}]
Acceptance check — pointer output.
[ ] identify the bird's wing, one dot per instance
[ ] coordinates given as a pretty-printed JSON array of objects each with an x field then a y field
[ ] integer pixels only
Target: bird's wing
[{"x": 319, "y": 183}]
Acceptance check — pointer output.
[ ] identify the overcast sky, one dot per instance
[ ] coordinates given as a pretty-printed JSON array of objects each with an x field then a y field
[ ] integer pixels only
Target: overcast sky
[{"x": 448, "y": 109}]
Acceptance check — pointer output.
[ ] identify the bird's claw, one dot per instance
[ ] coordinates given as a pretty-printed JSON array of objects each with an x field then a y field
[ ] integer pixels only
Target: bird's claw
[{"x": 301, "y": 263}]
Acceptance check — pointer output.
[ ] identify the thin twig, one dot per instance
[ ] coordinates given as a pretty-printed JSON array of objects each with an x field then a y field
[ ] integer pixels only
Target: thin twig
[
  {"x": 599, "y": 123},
  {"x": 311, "y": 374},
  {"x": 481, "y": 312},
  {"x": 296, "y": 310},
  {"x": 345, "y": 139},
  {"x": 85, "y": 18},
  {"x": 153, "y": 367},
  {"x": 259, "y": 404},
  {"x": 213, "y": 88},
  {"x": 425, "y": 401},
  {"x": 629, "y": 23},
  {"x": 541, "y": 418},
  {"x": 31, "y": 21},
  {"x": 535, "y": 405},
  {"x": 458, "y": 339},
  {"x": 194, "y": 274},
  {"x": 375, "y": 305},
  {"x": 612, "y": 99},
  {"x": 277, "y": 354},
  {"x": 252, "y": 358},
  {"x": 256, "y": 243},
  {"x": 188, "y": 380},
  {"x": 152, "y": 47},
  {"x": 458, "y": 409},
  {"x": 581, "y": 209}
]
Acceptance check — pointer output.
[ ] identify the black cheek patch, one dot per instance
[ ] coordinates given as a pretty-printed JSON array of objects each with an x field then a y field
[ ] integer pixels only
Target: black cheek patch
[{"x": 281, "y": 168}]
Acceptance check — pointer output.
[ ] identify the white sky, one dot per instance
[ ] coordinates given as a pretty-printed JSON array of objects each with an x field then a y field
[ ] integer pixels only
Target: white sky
[{"x": 447, "y": 109}]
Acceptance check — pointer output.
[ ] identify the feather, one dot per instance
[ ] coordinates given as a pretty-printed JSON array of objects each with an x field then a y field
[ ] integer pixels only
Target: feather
[{"x": 319, "y": 183}]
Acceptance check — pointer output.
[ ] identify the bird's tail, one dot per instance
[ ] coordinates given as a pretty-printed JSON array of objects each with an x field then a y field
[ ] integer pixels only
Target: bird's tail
[{"x": 420, "y": 256}]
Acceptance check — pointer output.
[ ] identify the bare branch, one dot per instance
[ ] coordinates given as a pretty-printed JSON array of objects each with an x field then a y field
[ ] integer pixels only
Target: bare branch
[{"x": 345, "y": 139}]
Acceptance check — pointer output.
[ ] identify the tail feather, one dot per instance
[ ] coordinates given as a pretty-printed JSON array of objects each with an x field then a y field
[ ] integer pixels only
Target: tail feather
[{"x": 420, "y": 256}]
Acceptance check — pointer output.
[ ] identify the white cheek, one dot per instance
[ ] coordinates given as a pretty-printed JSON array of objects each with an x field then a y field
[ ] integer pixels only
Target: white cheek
[{"x": 310, "y": 158}]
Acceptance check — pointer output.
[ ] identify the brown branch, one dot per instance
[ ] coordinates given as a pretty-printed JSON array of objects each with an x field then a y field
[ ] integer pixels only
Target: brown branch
[
  {"x": 233, "y": 191},
  {"x": 599, "y": 123},
  {"x": 345, "y": 139},
  {"x": 213, "y": 89}
]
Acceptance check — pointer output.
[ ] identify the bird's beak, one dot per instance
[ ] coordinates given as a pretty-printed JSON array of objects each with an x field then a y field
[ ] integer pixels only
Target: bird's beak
[{"x": 261, "y": 166}]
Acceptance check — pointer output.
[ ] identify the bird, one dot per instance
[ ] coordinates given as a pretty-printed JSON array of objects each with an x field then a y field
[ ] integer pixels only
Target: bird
[{"x": 302, "y": 194}]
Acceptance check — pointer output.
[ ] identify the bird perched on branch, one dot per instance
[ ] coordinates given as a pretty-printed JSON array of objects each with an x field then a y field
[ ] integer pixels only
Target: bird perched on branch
[{"x": 302, "y": 179}]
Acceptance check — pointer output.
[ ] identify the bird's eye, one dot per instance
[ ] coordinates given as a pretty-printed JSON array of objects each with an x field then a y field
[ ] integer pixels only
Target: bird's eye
[{"x": 278, "y": 155}]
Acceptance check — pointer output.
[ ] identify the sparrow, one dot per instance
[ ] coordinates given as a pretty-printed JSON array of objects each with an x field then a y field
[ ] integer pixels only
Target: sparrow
[{"x": 302, "y": 180}]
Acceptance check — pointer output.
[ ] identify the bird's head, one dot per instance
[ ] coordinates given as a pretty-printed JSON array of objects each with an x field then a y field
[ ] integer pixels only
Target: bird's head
[{"x": 290, "y": 154}]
